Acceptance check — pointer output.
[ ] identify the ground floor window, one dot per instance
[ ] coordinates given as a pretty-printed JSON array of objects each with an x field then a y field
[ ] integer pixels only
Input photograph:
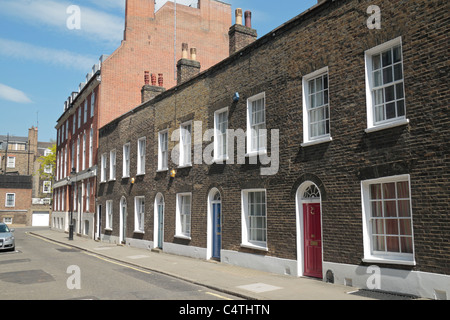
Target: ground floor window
[
  {"x": 388, "y": 219},
  {"x": 183, "y": 225},
  {"x": 139, "y": 209},
  {"x": 254, "y": 228},
  {"x": 109, "y": 214}
]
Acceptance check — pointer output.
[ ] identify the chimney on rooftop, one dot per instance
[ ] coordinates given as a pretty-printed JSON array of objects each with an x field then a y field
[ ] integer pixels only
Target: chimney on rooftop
[
  {"x": 240, "y": 35},
  {"x": 187, "y": 68},
  {"x": 148, "y": 92}
]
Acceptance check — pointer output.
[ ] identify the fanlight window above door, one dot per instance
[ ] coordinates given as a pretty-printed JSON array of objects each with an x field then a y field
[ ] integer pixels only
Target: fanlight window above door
[{"x": 312, "y": 192}]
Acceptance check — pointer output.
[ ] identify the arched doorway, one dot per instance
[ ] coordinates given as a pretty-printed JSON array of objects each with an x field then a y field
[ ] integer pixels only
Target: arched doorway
[
  {"x": 158, "y": 238},
  {"x": 214, "y": 224},
  {"x": 123, "y": 220},
  {"x": 309, "y": 230}
]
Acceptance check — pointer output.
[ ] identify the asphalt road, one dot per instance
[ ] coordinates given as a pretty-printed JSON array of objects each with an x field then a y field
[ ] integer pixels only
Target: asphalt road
[{"x": 43, "y": 270}]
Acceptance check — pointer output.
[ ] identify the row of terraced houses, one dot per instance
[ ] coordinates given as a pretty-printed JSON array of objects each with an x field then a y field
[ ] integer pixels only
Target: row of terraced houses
[{"x": 317, "y": 150}]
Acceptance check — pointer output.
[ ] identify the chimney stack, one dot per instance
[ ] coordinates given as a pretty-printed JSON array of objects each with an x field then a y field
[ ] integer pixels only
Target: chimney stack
[
  {"x": 187, "y": 68},
  {"x": 240, "y": 35},
  {"x": 148, "y": 92}
]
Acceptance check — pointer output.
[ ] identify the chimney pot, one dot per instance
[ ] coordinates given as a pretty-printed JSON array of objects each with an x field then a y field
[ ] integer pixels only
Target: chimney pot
[
  {"x": 160, "y": 79},
  {"x": 185, "y": 50},
  {"x": 194, "y": 54},
  {"x": 153, "y": 79},
  {"x": 239, "y": 16},
  {"x": 248, "y": 19},
  {"x": 146, "y": 77}
]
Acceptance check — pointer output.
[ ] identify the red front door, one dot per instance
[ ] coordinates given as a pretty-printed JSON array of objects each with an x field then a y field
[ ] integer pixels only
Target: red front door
[{"x": 313, "y": 240}]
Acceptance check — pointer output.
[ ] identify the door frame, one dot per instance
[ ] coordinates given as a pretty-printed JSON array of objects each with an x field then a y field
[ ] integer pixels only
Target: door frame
[
  {"x": 156, "y": 225},
  {"x": 123, "y": 220},
  {"x": 300, "y": 201},
  {"x": 210, "y": 222}
]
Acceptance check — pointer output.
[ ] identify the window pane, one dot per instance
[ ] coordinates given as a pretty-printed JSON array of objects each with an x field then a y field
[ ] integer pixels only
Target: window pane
[
  {"x": 401, "y": 108},
  {"x": 378, "y": 243},
  {"x": 390, "y": 208},
  {"x": 403, "y": 208},
  {"x": 392, "y": 244},
  {"x": 389, "y": 190},
  {"x": 387, "y": 75},
  {"x": 390, "y": 110},
  {"x": 397, "y": 54},
  {"x": 405, "y": 227},
  {"x": 398, "y": 73},
  {"x": 390, "y": 93},
  {"x": 377, "y": 210},
  {"x": 387, "y": 58},
  {"x": 376, "y": 62},
  {"x": 392, "y": 226},
  {"x": 399, "y": 91},
  {"x": 375, "y": 191},
  {"x": 377, "y": 78},
  {"x": 406, "y": 243},
  {"x": 377, "y": 226}
]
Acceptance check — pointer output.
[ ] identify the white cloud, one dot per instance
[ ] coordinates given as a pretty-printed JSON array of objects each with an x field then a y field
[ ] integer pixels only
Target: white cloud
[
  {"x": 14, "y": 95},
  {"x": 95, "y": 24},
  {"x": 64, "y": 58}
]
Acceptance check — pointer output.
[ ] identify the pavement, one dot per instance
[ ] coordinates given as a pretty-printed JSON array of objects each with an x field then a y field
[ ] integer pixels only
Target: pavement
[{"x": 245, "y": 283}]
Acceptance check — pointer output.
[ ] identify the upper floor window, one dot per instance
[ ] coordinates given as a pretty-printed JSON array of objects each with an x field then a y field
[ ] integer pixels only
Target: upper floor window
[
  {"x": 385, "y": 86},
  {"x": 141, "y": 156},
  {"x": 92, "y": 104},
  {"x": 10, "y": 200},
  {"x": 256, "y": 124},
  {"x": 47, "y": 187},
  {"x": 79, "y": 117},
  {"x": 185, "y": 144},
  {"x": 103, "y": 167},
  {"x": 220, "y": 134},
  {"x": 11, "y": 162},
  {"x": 112, "y": 165},
  {"x": 316, "y": 108},
  {"x": 163, "y": 150},
  {"x": 85, "y": 111},
  {"x": 126, "y": 161}
]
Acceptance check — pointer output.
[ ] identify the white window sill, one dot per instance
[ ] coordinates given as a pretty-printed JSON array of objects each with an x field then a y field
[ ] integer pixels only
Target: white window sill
[
  {"x": 189, "y": 165},
  {"x": 162, "y": 170},
  {"x": 111, "y": 180},
  {"x": 388, "y": 125},
  {"x": 139, "y": 231},
  {"x": 108, "y": 229},
  {"x": 256, "y": 153},
  {"x": 221, "y": 160},
  {"x": 181, "y": 236},
  {"x": 140, "y": 174},
  {"x": 387, "y": 260},
  {"x": 318, "y": 141},
  {"x": 254, "y": 246},
  {"x": 125, "y": 177}
]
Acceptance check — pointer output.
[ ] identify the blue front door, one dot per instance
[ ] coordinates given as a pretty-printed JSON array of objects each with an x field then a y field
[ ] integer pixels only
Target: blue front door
[{"x": 217, "y": 231}]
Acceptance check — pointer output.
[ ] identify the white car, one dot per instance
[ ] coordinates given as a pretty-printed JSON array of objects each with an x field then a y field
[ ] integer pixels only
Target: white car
[{"x": 7, "y": 241}]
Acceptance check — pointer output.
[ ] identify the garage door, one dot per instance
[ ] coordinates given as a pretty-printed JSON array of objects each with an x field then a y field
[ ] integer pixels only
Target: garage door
[{"x": 41, "y": 219}]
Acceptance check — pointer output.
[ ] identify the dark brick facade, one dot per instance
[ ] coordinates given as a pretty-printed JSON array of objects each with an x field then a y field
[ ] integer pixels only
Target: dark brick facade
[{"x": 333, "y": 34}]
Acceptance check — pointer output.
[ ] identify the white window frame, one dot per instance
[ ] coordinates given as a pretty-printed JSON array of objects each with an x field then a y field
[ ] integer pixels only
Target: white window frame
[
  {"x": 139, "y": 214},
  {"x": 79, "y": 117},
  {"x": 78, "y": 154},
  {"x": 183, "y": 218},
  {"x": 163, "y": 151},
  {"x": 83, "y": 161},
  {"x": 306, "y": 103},
  {"x": 109, "y": 215},
  {"x": 220, "y": 137},
  {"x": 126, "y": 160},
  {"x": 104, "y": 159},
  {"x": 47, "y": 187},
  {"x": 370, "y": 85},
  {"x": 112, "y": 165},
  {"x": 11, "y": 162},
  {"x": 91, "y": 147},
  {"x": 370, "y": 255},
  {"x": 247, "y": 224},
  {"x": 13, "y": 200},
  {"x": 92, "y": 104},
  {"x": 74, "y": 125},
  {"x": 85, "y": 111},
  {"x": 251, "y": 133},
  {"x": 88, "y": 195},
  {"x": 186, "y": 145},
  {"x": 141, "y": 155}
]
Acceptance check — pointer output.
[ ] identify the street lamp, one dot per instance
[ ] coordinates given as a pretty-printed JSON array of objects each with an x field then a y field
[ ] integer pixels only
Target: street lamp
[{"x": 71, "y": 209}]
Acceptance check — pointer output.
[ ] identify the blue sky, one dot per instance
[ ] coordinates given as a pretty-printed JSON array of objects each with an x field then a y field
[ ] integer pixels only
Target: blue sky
[{"x": 42, "y": 61}]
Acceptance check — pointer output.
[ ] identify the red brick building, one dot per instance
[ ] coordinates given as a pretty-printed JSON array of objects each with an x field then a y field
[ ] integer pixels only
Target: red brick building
[{"x": 114, "y": 87}]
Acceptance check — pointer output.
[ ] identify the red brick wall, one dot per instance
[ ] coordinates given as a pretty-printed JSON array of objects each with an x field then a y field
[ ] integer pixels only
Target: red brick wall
[{"x": 149, "y": 46}]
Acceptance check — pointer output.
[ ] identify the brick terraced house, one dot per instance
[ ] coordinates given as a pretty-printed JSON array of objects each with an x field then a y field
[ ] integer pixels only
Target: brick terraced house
[
  {"x": 320, "y": 150},
  {"x": 113, "y": 87}
]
